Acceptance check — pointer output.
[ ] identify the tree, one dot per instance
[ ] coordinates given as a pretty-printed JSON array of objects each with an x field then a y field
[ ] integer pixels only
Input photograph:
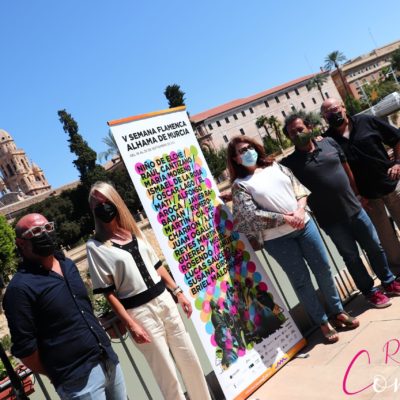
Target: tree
[
  {"x": 271, "y": 146},
  {"x": 85, "y": 162},
  {"x": 353, "y": 106},
  {"x": 112, "y": 148},
  {"x": 276, "y": 125},
  {"x": 216, "y": 161},
  {"x": 314, "y": 119},
  {"x": 376, "y": 91},
  {"x": 124, "y": 186},
  {"x": 395, "y": 59},
  {"x": 8, "y": 259},
  {"x": 332, "y": 60},
  {"x": 262, "y": 122},
  {"x": 317, "y": 82},
  {"x": 174, "y": 95},
  {"x": 70, "y": 213}
]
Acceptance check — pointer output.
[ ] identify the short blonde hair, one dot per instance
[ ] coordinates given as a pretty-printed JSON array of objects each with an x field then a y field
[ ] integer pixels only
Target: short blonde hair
[{"x": 124, "y": 217}]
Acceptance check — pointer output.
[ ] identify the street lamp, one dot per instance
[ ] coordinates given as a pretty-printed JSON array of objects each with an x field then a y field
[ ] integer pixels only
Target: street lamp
[
  {"x": 391, "y": 72},
  {"x": 364, "y": 95}
]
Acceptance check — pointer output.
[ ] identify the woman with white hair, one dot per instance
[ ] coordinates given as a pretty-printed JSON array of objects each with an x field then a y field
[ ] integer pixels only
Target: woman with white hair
[{"x": 124, "y": 267}]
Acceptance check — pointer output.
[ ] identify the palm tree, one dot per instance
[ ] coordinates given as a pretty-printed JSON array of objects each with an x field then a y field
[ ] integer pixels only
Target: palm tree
[
  {"x": 112, "y": 148},
  {"x": 314, "y": 119},
  {"x": 332, "y": 60},
  {"x": 262, "y": 122},
  {"x": 276, "y": 125},
  {"x": 317, "y": 82}
]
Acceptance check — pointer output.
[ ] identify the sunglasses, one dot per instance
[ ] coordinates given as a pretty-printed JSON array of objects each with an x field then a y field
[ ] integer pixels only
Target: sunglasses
[
  {"x": 245, "y": 149},
  {"x": 332, "y": 110},
  {"x": 38, "y": 230}
]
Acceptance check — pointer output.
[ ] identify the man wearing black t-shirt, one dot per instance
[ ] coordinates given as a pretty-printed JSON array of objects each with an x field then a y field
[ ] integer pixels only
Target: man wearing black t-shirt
[
  {"x": 363, "y": 139},
  {"x": 321, "y": 166}
]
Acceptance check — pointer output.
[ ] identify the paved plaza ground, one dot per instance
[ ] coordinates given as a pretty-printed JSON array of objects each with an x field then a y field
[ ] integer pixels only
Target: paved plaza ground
[{"x": 319, "y": 372}]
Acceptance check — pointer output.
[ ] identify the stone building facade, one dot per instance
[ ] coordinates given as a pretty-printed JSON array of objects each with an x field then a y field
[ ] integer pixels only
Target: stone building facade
[
  {"x": 216, "y": 126},
  {"x": 360, "y": 71},
  {"x": 19, "y": 178}
]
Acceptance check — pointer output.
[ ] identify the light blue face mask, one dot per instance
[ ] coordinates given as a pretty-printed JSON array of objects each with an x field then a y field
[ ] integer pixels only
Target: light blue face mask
[{"x": 249, "y": 159}]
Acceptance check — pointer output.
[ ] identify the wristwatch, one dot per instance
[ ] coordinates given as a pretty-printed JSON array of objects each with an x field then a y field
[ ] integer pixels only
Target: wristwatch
[{"x": 177, "y": 290}]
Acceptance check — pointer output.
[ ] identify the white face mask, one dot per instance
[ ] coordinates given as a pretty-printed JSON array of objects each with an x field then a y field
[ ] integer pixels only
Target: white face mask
[{"x": 249, "y": 158}]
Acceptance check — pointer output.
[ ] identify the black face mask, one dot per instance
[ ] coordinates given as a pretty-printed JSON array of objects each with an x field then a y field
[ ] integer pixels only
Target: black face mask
[
  {"x": 44, "y": 245},
  {"x": 105, "y": 212},
  {"x": 335, "y": 119},
  {"x": 302, "y": 139}
]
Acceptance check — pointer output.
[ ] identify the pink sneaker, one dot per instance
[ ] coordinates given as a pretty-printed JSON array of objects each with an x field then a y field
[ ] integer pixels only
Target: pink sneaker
[
  {"x": 393, "y": 289},
  {"x": 379, "y": 300}
]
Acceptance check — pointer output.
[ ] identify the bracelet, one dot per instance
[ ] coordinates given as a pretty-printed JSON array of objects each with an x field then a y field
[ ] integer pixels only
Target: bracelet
[{"x": 177, "y": 290}]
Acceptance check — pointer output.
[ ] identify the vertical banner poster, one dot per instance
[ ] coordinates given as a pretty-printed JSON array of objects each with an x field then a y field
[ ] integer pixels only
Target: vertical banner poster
[{"x": 245, "y": 329}]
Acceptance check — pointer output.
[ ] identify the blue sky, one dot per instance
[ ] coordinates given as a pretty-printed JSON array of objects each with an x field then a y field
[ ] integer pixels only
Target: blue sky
[{"x": 103, "y": 60}]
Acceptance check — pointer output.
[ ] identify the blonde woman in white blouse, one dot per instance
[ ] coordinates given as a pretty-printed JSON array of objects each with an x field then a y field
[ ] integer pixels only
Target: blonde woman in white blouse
[{"x": 124, "y": 267}]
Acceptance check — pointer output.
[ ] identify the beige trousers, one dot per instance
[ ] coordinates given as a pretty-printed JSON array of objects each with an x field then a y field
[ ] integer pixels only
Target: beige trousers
[
  {"x": 161, "y": 319},
  {"x": 386, "y": 233}
]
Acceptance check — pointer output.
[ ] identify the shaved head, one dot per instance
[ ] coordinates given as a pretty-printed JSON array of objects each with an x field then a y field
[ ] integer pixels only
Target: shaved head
[
  {"x": 28, "y": 221},
  {"x": 328, "y": 103}
]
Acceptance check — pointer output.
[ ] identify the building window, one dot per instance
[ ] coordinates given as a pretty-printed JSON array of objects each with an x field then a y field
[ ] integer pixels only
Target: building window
[
  {"x": 210, "y": 127},
  {"x": 243, "y": 113},
  {"x": 287, "y": 95},
  {"x": 251, "y": 110},
  {"x": 235, "y": 116},
  {"x": 303, "y": 105},
  {"x": 9, "y": 170},
  {"x": 266, "y": 103},
  {"x": 242, "y": 131},
  {"x": 314, "y": 101},
  {"x": 297, "y": 92},
  {"x": 277, "y": 99},
  {"x": 218, "y": 123},
  {"x": 227, "y": 120},
  {"x": 284, "y": 114},
  {"x": 225, "y": 138},
  {"x": 327, "y": 95},
  {"x": 293, "y": 108}
]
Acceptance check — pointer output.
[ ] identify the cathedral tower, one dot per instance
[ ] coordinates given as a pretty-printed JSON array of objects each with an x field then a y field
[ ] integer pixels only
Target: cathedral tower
[{"x": 18, "y": 175}]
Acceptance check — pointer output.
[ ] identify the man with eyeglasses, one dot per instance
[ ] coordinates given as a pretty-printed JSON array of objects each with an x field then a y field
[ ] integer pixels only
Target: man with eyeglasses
[
  {"x": 53, "y": 329},
  {"x": 364, "y": 140},
  {"x": 321, "y": 166}
]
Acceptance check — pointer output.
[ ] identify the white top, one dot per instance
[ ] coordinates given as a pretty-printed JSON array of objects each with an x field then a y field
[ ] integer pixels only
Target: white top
[
  {"x": 272, "y": 190},
  {"x": 110, "y": 265}
]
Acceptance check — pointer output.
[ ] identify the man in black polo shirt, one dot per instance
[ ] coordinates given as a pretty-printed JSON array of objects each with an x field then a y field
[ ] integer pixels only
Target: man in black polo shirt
[
  {"x": 53, "y": 328},
  {"x": 363, "y": 139},
  {"x": 321, "y": 166}
]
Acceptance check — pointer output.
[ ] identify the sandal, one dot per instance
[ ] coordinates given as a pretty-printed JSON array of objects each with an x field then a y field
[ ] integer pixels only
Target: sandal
[
  {"x": 344, "y": 321},
  {"x": 330, "y": 334}
]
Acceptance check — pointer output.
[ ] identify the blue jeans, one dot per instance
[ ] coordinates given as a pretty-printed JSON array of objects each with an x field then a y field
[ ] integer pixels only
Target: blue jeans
[
  {"x": 291, "y": 251},
  {"x": 105, "y": 382},
  {"x": 360, "y": 229}
]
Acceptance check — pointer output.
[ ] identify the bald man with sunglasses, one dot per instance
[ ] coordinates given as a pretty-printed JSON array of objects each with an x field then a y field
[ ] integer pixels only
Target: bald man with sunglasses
[{"x": 53, "y": 329}]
